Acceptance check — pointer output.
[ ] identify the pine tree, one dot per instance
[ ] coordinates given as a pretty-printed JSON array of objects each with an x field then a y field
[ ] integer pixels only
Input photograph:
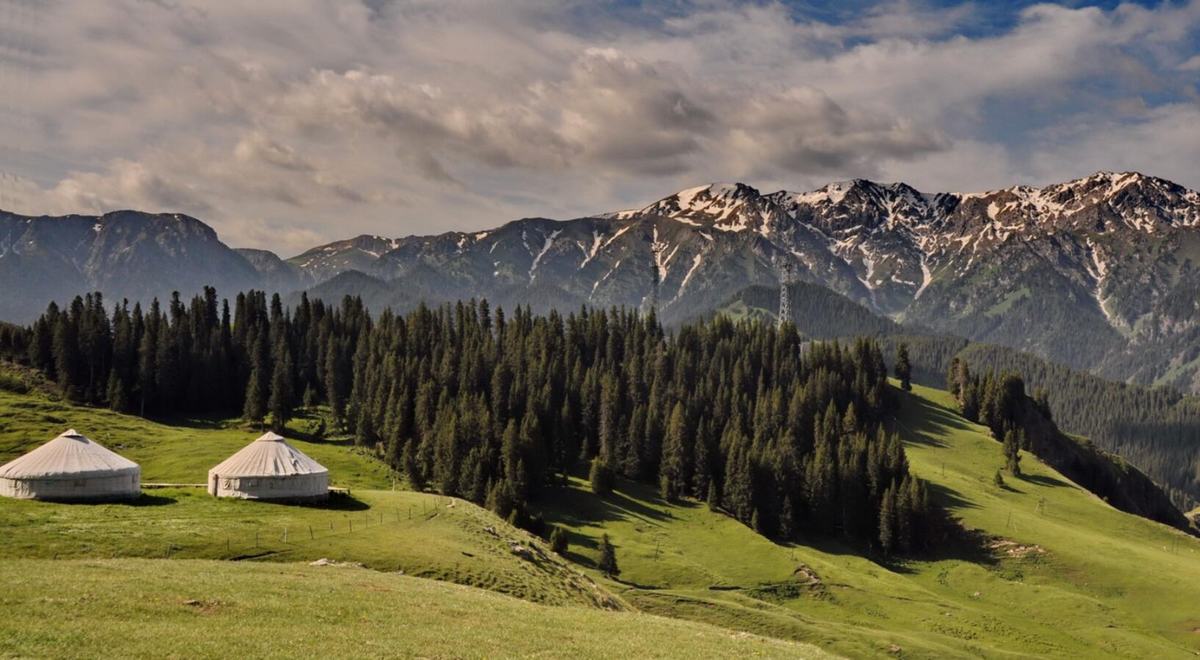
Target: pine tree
[
  {"x": 500, "y": 500},
  {"x": 255, "y": 407},
  {"x": 334, "y": 381},
  {"x": 67, "y": 360},
  {"x": 1012, "y": 455},
  {"x": 600, "y": 477},
  {"x": 887, "y": 521},
  {"x": 280, "y": 402},
  {"x": 673, "y": 474},
  {"x": 559, "y": 541},
  {"x": 608, "y": 558},
  {"x": 903, "y": 368}
]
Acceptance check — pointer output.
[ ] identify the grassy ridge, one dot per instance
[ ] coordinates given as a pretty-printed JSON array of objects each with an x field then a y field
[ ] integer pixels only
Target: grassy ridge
[
  {"x": 203, "y": 609},
  {"x": 1067, "y": 575}
]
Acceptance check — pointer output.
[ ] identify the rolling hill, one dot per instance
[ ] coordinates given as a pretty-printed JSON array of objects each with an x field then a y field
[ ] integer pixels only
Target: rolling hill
[
  {"x": 1063, "y": 573},
  {"x": 1056, "y": 572}
]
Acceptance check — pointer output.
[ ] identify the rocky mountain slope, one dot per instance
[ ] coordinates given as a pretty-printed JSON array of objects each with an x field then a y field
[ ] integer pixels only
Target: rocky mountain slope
[
  {"x": 125, "y": 254},
  {"x": 1100, "y": 273}
]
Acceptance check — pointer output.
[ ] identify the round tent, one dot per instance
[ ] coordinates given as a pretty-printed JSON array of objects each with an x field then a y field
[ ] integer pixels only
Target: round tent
[
  {"x": 269, "y": 469},
  {"x": 71, "y": 467}
]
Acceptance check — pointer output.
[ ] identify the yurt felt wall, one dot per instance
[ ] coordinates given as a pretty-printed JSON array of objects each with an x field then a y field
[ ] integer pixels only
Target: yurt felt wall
[
  {"x": 71, "y": 467},
  {"x": 269, "y": 469}
]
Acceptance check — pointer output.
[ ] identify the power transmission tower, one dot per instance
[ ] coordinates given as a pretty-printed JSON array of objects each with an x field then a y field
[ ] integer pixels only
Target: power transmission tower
[
  {"x": 650, "y": 302},
  {"x": 785, "y": 303}
]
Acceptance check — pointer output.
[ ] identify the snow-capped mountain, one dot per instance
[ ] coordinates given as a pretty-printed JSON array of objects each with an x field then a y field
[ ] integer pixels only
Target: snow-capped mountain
[
  {"x": 1095, "y": 272},
  {"x": 1101, "y": 273}
]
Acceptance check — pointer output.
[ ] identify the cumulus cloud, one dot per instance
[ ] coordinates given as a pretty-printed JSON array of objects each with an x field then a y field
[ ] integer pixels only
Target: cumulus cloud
[{"x": 284, "y": 122}]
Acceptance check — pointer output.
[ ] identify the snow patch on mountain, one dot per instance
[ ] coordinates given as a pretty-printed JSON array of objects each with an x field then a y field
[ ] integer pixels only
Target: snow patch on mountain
[
  {"x": 696, "y": 261},
  {"x": 590, "y": 253},
  {"x": 615, "y": 236},
  {"x": 598, "y": 282},
  {"x": 545, "y": 248},
  {"x": 662, "y": 259},
  {"x": 926, "y": 277}
]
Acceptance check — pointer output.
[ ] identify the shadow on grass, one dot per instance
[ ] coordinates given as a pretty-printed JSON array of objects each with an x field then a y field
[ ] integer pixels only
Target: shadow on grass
[
  {"x": 152, "y": 500},
  {"x": 922, "y": 420},
  {"x": 1043, "y": 480},
  {"x": 199, "y": 423},
  {"x": 949, "y": 498},
  {"x": 336, "y": 502},
  {"x": 576, "y": 506},
  {"x": 143, "y": 500},
  {"x": 1007, "y": 487}
]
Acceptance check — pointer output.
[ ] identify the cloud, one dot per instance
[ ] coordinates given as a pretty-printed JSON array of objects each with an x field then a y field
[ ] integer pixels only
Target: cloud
[
  {"x": 1190, "y": 64},
  {"x": 310, "y": 120},
  {"x": 258, "y": 148},
  {"x": 128, "y": 184}
]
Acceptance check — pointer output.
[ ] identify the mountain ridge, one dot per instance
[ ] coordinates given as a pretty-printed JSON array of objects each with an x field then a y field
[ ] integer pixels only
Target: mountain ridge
[{"x": 1100, "y": 273}]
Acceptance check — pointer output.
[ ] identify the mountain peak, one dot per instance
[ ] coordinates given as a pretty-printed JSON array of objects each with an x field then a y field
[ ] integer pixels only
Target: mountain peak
[{"x": 722, "y": 206}]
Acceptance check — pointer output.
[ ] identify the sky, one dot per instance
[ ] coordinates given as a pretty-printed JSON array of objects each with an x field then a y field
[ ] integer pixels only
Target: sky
[{"x": 289, "y": 123}]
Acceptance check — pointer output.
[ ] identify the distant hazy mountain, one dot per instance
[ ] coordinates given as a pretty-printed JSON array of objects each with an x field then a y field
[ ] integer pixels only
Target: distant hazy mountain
[
  {"x": 1101, "y": 273},
  {"x": 125, "y": 254}
]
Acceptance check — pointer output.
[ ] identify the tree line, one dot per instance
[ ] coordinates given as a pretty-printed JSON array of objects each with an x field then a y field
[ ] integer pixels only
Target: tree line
[
  {"x": 787, "y": 437},
  {"x": 1155, "y": 428},
  {"x": 1022, "y": 422}
]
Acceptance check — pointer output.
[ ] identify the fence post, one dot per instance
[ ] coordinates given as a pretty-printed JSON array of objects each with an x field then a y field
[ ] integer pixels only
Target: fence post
[
  {"x": 310, "y": 533},
  {"x": 285, "y": 534}
]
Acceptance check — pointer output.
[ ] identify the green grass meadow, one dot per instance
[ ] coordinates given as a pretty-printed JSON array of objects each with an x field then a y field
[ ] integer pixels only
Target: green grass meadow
[
  {"x": 205, "y": 609},
  {"x": 180, "y": 573}
]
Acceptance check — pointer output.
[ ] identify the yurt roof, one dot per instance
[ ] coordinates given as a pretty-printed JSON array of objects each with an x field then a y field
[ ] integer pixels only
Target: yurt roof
[
  {"x": 69, "y": 456},
  {"x": 268, "y": 456}
]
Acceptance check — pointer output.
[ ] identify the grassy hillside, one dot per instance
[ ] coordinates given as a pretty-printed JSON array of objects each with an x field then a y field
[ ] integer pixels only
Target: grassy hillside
[
  {"x": 1065, "y": 574},
  {"x": 419, "y": 534},
  {"x": 86, "y": 609},
  {"x": 181, "y": 451}
]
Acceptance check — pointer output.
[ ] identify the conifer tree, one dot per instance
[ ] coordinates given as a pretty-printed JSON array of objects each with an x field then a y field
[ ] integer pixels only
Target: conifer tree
[
  {"x": 600, "y": 477},
  {"x": 66, "y": 355},
  {"x": 903, "y": 367},
  {"x": 559, "y": 541},
  {"x": 887, "y": 521},
  {"x": 608, "y": 558},
  {"x": 673, "y": 475},
  {"x": 280, "y": 402},
  {"x": 255, "y": 408},
  {"x": 1012, "y": 455}
]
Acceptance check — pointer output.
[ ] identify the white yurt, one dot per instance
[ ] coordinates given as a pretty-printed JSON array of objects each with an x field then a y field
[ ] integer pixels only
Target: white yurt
[
  {"x": 71, "y": 467},
  {"x": 269, "y": 469}
]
